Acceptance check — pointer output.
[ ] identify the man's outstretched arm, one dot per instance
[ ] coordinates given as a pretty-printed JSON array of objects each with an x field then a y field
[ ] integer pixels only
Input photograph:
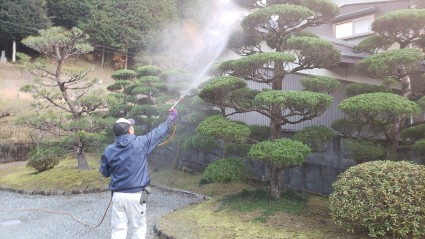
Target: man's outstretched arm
[{"x": 154, "y": 137}]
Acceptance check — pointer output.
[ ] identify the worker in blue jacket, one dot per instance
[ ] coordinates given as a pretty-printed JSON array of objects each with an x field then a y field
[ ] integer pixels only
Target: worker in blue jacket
[{"x": 125, "y": 161}]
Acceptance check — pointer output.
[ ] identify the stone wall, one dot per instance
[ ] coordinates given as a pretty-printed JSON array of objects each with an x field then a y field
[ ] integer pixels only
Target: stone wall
[{"x": 316, "y": 174}]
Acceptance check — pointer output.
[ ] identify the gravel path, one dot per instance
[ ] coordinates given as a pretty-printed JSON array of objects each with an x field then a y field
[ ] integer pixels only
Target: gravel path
[{"x": 88, "y": 208}]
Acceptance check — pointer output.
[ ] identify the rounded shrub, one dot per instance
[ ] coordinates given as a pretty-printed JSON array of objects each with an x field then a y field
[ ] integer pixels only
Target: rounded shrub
[
  {"x": 44, "y": 158},
  {"x": 220, "y": 127},
  {"x": 321, "y": 84},
  {"x": 363, "y": 88},
  {"x": 386, "y": 198},
  {"x": 281, "y": 153},
  {"x": 225, "y": 170},
  {"x": 148, "y": 70},
  {"x": 124, "y": 75}
]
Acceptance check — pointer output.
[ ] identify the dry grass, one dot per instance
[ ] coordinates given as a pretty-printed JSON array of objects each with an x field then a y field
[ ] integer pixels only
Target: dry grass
[{"x": 11, "y": 79}]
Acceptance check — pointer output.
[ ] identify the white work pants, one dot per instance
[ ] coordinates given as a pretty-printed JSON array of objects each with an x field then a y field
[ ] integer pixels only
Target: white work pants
[{"x": 127, "y": 210}]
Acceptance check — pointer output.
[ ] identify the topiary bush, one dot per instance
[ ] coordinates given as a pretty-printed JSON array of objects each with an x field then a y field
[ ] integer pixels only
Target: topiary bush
[
  {"x": 124, "y": 75},
  {"x": 386, "y": 198},
  {"x": 44, "y": 158},
  {"x": 225, "y": 170},
  {"x": 320, "y": 84},
  {"x": 220, "y": 127},
  {"x": 363, "y": 88},
  {"x": 148, "y": 70}
]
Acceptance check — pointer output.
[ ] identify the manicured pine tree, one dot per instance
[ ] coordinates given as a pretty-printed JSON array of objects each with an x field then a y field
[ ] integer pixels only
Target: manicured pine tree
[
  {"x": 76, "y": 117},
  {"x": 280, "y": 25}
]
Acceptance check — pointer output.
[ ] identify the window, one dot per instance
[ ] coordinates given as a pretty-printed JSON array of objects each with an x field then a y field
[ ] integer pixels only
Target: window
[{"x": 353, "y": 27}]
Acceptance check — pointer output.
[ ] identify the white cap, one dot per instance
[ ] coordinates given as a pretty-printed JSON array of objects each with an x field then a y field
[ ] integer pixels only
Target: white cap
[{"x": 128, "y": 121}]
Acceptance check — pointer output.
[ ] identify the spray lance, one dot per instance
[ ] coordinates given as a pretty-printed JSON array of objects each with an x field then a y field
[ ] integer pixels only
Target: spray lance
[
  {"x": 178, "y": 101},
  {"x": 174, "y": 127}
]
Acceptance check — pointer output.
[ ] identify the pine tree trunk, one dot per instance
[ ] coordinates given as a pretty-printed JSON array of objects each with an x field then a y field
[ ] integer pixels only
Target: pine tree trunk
[
  {"x": 275, "y": 181},
  {"x": 275, "y": 130},
  {"x": 82, "y": 161},
  {"x": 392, "y": 142}
]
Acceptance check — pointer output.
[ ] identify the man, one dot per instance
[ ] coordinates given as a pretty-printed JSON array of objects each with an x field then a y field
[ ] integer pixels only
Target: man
[{"x": 125, "y": 161}]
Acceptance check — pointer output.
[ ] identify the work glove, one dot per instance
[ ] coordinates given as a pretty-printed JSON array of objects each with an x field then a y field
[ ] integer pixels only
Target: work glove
[{"x": 172, "y": 114}]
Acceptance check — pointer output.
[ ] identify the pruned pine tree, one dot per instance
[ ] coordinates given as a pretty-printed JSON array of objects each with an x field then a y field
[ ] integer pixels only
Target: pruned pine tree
[
  {"x": 142, "y": 94},
  {"x": 403, "y": 31},
  {"x": 71, "y": 93},
  {"x": 382, "y": 111},
  {"x": 289, "y": 49}
]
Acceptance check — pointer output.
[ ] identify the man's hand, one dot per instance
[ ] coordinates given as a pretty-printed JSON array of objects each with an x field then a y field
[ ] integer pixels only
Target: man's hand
[{"x": 172, "y": 114}]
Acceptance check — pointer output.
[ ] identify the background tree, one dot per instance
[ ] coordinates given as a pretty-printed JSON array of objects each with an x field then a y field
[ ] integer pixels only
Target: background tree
[
  {"x": 68, "y": 14},
  {"x": 128, "y": 26},
  {"x": 361, "y": 139},
  {"x": 22, "y": 18},
  {"x": 406, "y": 28},
  {"x": 147, "y": 92},
  {"x": 383, "y": 111},
  {"x": 280, "y": 25},
  {"x": 142, "y": 94},
  {"x": 69, "y": 91},
  {"x": 403, "y": 29}
]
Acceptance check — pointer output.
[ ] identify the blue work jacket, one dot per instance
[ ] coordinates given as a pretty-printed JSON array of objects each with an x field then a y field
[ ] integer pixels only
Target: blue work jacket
[{"x": 125, "y": 161}]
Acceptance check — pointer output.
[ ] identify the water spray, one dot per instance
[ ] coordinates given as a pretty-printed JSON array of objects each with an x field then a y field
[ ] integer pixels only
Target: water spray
[
  {"x": 215, "y": 43},
  {"x": 205, "y": 69},
  {"x": 178, "y": 101}
]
